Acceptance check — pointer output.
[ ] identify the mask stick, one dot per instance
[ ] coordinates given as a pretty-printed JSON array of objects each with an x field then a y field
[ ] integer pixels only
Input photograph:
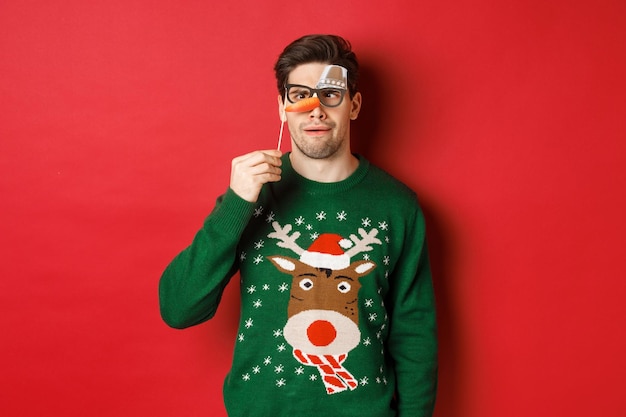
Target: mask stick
[{"x": 283, "y": 116}]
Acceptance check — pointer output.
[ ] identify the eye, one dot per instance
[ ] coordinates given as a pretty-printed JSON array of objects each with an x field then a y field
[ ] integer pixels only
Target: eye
[
  {"x": 297, "y": 94},
  {"x": 306, "y": 284},
  {"x": 344, "y": 287},
  {"x": 330, "y": 93}
]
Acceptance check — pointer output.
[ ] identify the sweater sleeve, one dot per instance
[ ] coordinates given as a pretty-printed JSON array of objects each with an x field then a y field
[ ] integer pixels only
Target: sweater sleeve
[
  {"x": 191, "y": 286},
  {"x": 413, "y": 329}
]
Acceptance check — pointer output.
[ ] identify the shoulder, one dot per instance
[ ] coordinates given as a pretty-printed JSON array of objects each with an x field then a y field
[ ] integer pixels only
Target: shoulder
[{"x": 387, "y": 186}]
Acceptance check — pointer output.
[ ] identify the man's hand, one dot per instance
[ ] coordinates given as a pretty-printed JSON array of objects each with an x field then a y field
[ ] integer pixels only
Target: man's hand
[{"x": 250, "y": 171}]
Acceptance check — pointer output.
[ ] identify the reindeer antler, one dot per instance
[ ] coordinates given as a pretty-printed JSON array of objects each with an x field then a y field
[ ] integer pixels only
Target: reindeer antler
[
  {"x": 286, "y": 241},
  {"x": 363, "y": 245}
]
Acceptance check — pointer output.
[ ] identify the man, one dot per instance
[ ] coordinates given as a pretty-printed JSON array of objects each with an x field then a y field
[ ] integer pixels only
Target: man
[{"x": 337, "y": 306}]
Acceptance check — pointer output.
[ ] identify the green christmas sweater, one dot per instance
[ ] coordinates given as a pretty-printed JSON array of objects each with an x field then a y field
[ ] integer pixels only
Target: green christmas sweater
[{"x": 337, "y": 305}]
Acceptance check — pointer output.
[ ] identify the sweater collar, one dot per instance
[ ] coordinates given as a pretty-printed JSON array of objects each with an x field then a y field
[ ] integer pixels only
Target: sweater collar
[{"x": 315, "y": 187}]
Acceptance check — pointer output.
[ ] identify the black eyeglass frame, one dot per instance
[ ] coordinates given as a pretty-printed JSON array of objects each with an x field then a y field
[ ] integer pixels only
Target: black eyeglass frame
[{"x": 317, "y": 91}]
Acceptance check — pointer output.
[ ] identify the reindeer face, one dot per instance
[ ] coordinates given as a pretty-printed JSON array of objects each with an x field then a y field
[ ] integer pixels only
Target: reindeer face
[{"x": 323, "y": 308}]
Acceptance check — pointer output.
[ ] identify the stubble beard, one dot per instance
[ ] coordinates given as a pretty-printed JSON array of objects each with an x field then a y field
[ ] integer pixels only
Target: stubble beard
[{"x": 318, "y": 148}]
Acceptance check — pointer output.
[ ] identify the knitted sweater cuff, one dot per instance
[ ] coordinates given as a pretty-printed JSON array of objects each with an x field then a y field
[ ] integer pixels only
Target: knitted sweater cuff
[{"x": 231, "y": 214}]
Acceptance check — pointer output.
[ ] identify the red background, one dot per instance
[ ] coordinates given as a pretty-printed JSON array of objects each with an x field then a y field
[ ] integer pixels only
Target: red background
[{"x": 118, "y": 121}]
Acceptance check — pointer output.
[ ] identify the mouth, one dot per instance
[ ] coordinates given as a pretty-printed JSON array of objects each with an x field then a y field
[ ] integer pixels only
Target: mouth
[{"x": 316, "y": 130}]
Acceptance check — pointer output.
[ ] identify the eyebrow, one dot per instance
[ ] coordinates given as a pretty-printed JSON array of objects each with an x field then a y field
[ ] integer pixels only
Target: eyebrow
[{"x": 344, "y": 277}]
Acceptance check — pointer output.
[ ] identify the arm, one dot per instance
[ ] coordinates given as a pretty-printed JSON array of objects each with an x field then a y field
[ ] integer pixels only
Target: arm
[
  {"x": 192, "y": 285},
  {"x": 413, "y": 331}
]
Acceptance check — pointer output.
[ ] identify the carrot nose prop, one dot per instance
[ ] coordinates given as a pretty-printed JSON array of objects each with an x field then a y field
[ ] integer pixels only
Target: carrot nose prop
[{"x": 306, "y": 104}]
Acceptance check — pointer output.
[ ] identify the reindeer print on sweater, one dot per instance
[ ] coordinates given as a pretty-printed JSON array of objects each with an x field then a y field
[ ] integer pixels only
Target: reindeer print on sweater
[
  {"x": 322, "y": 317},
  {"x": 320, "y": 274}
]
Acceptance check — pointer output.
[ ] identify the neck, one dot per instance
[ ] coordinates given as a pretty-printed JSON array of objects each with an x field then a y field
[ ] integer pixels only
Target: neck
[{"x": 334, "y": 169}]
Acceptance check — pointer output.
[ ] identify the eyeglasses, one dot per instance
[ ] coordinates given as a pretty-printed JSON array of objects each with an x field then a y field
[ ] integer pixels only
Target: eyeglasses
[{"x": 329, "y": 97}]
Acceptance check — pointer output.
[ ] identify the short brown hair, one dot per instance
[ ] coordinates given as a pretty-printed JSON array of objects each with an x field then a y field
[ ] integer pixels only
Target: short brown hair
[{"x": 327, "y": 49}]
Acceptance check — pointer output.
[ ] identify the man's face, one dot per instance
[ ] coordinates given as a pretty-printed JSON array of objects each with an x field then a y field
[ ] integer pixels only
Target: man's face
[{"x": 324, "y": 131}]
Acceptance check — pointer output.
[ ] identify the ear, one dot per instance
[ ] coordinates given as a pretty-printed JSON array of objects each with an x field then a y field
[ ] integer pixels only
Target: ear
[
  {"x": 362, "y": 268},
  {"x": 355, "y": 106},
  {"x": 281, "y": 109},
  {"x": 284, "y": 263}
]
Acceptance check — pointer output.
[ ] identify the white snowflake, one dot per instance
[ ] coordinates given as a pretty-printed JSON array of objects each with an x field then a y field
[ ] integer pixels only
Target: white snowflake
[
  {"x": 386, "y": 239},
  {"x": 309, "y": 227},
  {"x": 386, "y": 273},
  {"x": 242, "y": 257},
  {"x": 251, "y": 289},
  {"x": 383, "y": 225},
  {"x": 342, "y": 215},
  {"x": 300, "y": 221},
  {"x": 258, "y": 303},
  {"x": 366, "y": 222},
  {"x": 369, "y": 302},
  {"x": 258, "y": 245},
  {"x": 364, "y": 381},
  {"x": 372, "y": 316},
  {"x": 314, "y": 235},
  {"x": 283, "y": 287},
  {"x": 270, "y": 217},
  {"x": 366, "y": 257},
  {"x": 279, "y": 369},
  {"x": 281, "y": 347},
  {"x": 386, "y": 260},
  {"x": 320, "y": 216},
  {"x": 281, "y": 382},
  {"x": 367, "y": 342},
  {"x": 299, "y": 370},
  {"x": 266, "y": 287},
  {"x": 378, "y": 380},
  {"x": 257, "y": 259},
  {"x": 245, "y": 377},
  {"x": 258, "y": 211},
  {"x": 278, "y": 332},
  {"x": 267, "y": 360},
  {"x": 249, "y": 323},
  {"x": 241, "y": 337},
  {"x": 313, "y": 377},
  {"x": 256, "y": 369}
]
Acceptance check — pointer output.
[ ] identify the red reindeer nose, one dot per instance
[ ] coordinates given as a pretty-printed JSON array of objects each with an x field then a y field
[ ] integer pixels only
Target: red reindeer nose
[{"x": 321, "y": 333}]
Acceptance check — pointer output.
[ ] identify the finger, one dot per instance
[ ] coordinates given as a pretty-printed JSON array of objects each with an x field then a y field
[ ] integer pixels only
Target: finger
[{"x": 258, "y": 157}]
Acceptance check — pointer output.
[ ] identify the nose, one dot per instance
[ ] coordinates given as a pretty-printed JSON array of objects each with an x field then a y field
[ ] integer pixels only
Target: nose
[
  {"x": 317, "y": 113},
  {"x": 321, "y": 333}
]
